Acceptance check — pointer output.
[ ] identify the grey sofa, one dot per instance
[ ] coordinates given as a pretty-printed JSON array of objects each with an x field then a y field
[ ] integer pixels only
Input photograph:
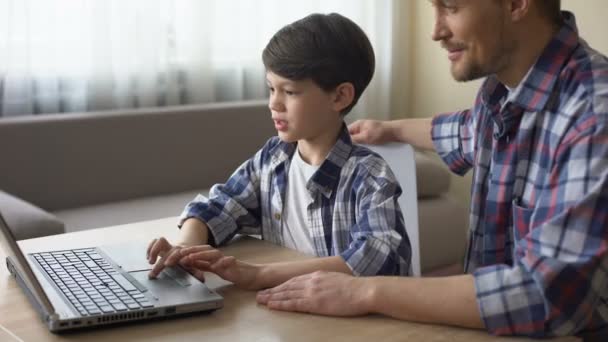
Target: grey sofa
[{"x": 92, "y": 170}]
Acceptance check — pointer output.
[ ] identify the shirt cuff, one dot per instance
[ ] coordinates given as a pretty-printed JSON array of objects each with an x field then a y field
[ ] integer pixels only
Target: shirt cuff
[
  {"x": 221, "y": 226},
  {"x": 445, "y": 132},
  {"x": 509, "y": 301}
]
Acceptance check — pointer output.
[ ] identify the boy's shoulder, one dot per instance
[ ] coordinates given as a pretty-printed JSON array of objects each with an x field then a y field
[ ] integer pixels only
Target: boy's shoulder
[
  {"x": 365, "y": 160},
  {"x": 271, "y": 147}
]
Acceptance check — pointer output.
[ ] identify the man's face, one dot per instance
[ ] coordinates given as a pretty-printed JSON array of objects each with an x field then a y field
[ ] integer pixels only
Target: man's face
[{"x": 473, "y": 32}]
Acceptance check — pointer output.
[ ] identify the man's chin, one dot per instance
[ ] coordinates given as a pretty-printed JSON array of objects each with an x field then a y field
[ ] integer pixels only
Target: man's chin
[{"x": 466, "y": 75}]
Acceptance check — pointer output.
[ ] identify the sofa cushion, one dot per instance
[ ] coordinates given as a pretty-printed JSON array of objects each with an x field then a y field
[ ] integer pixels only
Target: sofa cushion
[
  {"x": 27, "y": 221},
  {"x": 432, "y": 177}
]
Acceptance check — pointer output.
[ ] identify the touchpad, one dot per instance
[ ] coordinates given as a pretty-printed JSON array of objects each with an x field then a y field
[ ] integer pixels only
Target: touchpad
[{"x": 163, "y": 282}]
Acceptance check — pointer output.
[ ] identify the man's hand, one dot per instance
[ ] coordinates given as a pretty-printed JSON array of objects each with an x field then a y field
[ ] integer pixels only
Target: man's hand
[
  {"x": 207, "y": 258},
  {"x": 372, "y": 132},
  {"x": 325, "y": 293}
]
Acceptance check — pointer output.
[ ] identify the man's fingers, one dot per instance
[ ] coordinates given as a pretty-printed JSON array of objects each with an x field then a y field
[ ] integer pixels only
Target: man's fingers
[
  {"x": 300, "y": 305},
  {"x": 280, "y": 296},
  {"x": 296, "y": 283}
]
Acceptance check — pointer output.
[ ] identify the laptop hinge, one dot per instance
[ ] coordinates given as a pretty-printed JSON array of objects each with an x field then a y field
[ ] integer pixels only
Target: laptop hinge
[{"x": 44, "y": 314}]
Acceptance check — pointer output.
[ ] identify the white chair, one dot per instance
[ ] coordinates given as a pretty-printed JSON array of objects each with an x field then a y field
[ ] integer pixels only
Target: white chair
[{"x": 400, "y": 157}]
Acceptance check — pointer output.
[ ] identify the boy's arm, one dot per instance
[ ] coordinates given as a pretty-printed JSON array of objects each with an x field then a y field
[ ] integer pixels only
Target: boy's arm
[
  {"x": 379, "y": 243},
  {"x": 255, "y": 276},
  {"x": 270, "y": 275},
  {"x": 232, "y": 205},
  {"x": 193, "y": 232}
]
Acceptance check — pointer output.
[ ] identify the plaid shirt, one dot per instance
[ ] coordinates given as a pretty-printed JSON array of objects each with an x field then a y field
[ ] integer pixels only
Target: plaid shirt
[
  {"x": 354, "y": 211},
  {"x": 538, "y": 232}
]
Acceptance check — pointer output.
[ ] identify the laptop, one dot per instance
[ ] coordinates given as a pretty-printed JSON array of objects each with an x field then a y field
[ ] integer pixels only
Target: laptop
[{"x": 102, "y": 285}]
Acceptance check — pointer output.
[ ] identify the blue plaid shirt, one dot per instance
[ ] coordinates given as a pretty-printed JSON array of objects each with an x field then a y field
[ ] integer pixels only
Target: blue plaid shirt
[
  {"x": 354, "y": 211},
  {"x": 538, "y": 233}
]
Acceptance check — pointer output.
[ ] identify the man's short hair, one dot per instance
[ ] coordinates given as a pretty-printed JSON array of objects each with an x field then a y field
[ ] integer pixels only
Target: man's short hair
[
  {"x": 551, "y": 9},
  {"x": 330, "y": 49}
]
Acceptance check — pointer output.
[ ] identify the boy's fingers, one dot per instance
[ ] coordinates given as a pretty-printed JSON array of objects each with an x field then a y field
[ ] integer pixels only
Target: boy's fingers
[
  {"x": 195, "y": 249},
  {"x": 150, "y": 247},
  {"x": 210, "y": 256},
  {"x": 159, "y": 246},
  {"x": 173, "y": 257},
  {"x": 158, "y": 267}
]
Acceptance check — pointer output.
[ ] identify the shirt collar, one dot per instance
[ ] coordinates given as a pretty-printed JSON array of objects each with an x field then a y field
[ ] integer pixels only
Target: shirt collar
[
  {"x": 324, "y": 180},
  {"x": 535, "y": 89}
]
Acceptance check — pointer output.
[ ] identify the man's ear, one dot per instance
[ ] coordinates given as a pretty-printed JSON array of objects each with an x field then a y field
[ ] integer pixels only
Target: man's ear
[
  {"x": 519, "y": 9},
  {"x": 344, "y": 95}
]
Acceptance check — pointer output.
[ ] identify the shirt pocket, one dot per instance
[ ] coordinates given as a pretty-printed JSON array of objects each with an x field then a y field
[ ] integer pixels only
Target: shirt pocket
[{"x": 521, "y": 220}]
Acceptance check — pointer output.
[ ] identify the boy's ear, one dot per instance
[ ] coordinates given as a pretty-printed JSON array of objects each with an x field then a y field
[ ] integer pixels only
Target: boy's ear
[
  {"x": 518, "y": 9},
  {"x": 344, "y": 94}
]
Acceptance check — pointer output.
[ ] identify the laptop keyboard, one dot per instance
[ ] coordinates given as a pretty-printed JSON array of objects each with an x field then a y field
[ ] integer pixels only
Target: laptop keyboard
[{"x": 90, "y": 282}]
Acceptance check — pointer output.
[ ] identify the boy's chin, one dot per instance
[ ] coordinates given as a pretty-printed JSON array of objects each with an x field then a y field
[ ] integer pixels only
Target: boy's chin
[{"x": 287, "y": 138}]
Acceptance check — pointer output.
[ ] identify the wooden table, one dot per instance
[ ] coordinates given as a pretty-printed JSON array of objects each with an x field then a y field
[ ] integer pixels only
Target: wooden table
[{"x": 241, "y": 319}]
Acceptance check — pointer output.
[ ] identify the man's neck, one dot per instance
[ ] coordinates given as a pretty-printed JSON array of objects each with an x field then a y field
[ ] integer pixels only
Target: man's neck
[{"x": 529, "y": 48}]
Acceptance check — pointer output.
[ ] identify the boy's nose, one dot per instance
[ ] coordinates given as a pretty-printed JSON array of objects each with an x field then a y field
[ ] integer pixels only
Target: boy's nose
[{"x": 275, "y": 104}]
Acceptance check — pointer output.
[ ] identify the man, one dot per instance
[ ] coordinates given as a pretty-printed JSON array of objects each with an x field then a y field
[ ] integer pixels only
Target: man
[{"x": 537, "y": 140}]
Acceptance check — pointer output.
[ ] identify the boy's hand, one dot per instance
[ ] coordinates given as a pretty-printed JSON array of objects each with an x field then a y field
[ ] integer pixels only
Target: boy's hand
[
  {"x": 169, "y": 256},
  {"x": 207, "y": 258},
  {"x": 372, "y": 132}
]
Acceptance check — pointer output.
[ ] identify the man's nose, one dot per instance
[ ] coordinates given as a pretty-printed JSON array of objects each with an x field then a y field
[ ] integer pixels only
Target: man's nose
[{"x": 440, "y": 31}]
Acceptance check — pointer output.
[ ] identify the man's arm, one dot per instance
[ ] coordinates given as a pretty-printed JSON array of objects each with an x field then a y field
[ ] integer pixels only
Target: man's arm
[
  {"x": 447, "y": 300},
  {"x": 416, "y": 132}
]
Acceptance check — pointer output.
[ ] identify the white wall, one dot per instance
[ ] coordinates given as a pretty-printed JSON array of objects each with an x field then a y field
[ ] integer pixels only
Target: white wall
[{"x": 426, "y": 87}]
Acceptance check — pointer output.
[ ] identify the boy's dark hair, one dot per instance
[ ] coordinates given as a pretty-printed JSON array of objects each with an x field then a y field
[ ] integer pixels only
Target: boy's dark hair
[{"x": 330, "y": 49}]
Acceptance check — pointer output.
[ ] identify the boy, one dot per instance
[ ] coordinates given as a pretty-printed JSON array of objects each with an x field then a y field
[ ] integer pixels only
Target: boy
[{"x": 310, "y": 188}]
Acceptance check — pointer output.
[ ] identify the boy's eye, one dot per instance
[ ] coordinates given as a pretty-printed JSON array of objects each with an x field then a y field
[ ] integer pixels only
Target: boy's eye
[
  {"x": 271, "y": 89},
  {"x": 289, "y": 92}
]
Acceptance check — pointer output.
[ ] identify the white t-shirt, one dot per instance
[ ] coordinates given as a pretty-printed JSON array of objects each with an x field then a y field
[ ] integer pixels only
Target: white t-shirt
[{"x": 295, "y": 223}]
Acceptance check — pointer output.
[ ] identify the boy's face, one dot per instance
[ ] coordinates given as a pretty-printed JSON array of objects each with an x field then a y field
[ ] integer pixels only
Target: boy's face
[
  {"x": 475, "y": 34},
  {"x": 301, "y": 110}
]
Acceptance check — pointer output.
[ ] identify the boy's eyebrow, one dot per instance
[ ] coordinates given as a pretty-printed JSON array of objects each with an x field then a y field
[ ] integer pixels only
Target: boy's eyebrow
[
  {"x": 281, "y": 83},
  {"x": 443, "y": 3}
]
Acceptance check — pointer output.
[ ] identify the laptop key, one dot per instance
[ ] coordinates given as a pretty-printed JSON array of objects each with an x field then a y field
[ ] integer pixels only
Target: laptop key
[
  {"x": 123, "y": 282},
  {"x": 106, "y": 308},
  {"x": 119, "y": 307},
  {"x": 133, "y": 306}
]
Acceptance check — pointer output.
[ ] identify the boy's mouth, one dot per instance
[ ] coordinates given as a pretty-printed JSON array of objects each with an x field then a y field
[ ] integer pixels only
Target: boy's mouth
[{"x": 280, "y": 125}]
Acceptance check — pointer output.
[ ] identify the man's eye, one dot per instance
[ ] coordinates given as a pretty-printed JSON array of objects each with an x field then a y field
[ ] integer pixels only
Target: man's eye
[{"x": 289, "y": 92}]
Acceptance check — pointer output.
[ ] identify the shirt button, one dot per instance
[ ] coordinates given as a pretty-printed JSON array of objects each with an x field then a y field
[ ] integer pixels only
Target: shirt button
[{"x": 277, "y": 216}]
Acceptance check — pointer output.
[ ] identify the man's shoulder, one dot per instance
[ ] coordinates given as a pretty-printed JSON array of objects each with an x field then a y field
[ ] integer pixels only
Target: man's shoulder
[{"x": 585, "y": 75}]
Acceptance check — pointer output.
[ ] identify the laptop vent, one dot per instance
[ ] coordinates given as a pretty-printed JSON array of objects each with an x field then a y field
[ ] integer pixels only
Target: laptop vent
[{"x": 121, "y": 317}]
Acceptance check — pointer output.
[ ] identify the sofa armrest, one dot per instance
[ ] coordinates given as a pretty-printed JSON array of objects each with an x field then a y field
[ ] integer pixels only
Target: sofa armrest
[{"x": 27, "y": 221}]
